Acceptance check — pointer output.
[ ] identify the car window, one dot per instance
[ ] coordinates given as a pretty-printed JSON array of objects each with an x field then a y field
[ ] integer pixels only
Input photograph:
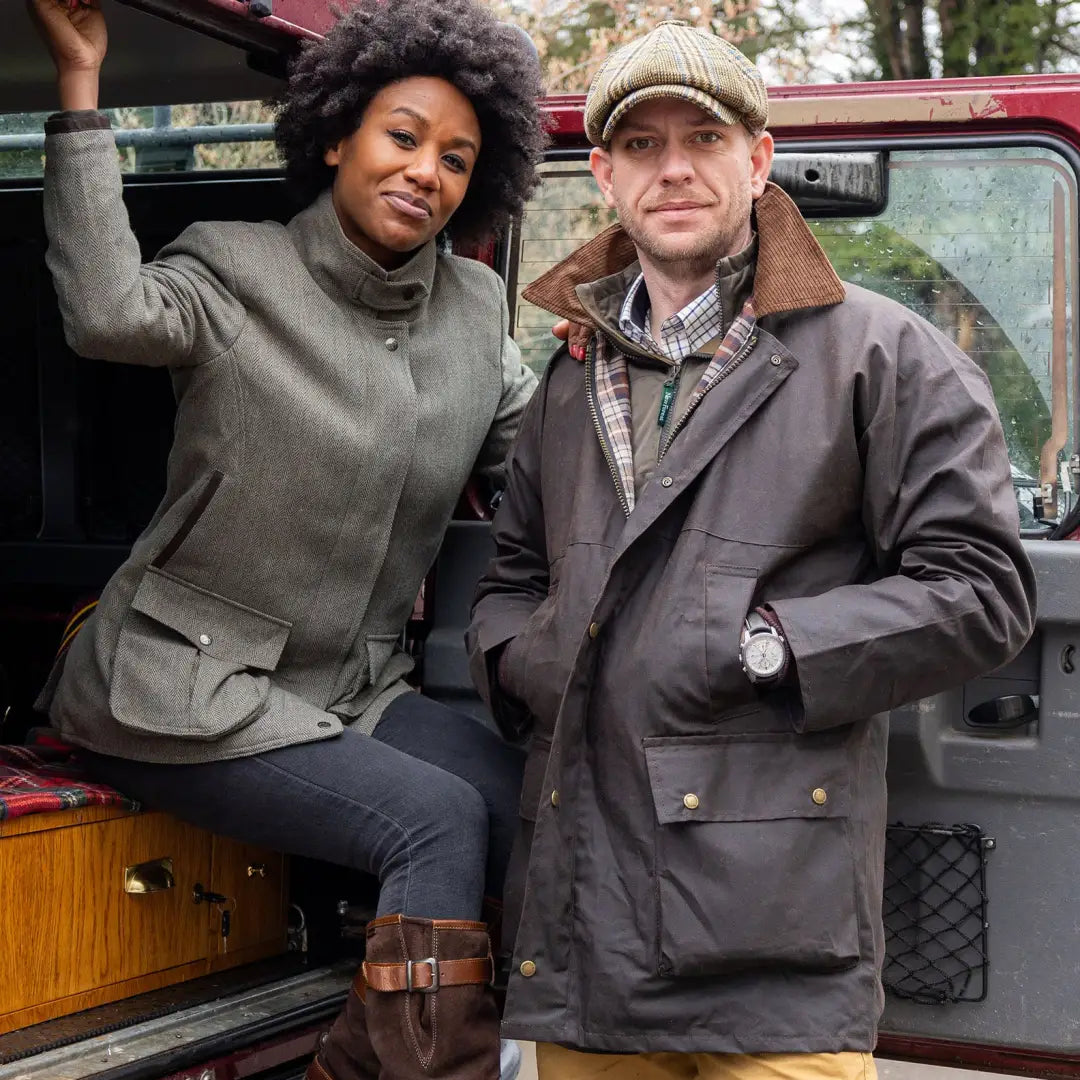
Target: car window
[
  {"x": 566, "y": 211},
  {"x": 981, "y": 242},
  {"x": 159, "y": 138}
]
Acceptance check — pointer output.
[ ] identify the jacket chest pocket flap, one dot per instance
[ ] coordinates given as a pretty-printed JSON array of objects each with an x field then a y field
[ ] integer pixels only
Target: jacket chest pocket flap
[
  {"x": 192, "y": 664},
  {"x": 753, "y": 860}
]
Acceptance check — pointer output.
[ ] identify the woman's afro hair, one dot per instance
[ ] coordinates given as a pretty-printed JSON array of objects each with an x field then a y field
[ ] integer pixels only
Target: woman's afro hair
[{"x": 377, "y": 42}]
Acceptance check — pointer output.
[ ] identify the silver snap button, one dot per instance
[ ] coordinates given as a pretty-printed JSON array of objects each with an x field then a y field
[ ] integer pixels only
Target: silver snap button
[
  {"x": 666, "y": 482},
  {"x": 775, "y": 360},
  {"x": 391, "y": 343},
  {"x": 205, "y": 639}
]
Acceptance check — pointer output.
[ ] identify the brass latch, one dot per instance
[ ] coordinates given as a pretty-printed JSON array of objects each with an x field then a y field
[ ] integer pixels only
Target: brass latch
[
  {"x": 148, "y": 877},
  {"x": 257, "y": 870}
]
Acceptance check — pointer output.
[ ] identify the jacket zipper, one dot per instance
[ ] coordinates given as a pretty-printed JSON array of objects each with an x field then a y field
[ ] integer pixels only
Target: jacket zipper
[
  {"x": 731, "y": 365},
  {"x": 590, "y": 396}
]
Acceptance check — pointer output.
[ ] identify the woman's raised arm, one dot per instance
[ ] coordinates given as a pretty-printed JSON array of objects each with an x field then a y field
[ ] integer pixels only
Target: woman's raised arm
[{"x": 178, "y": 310}]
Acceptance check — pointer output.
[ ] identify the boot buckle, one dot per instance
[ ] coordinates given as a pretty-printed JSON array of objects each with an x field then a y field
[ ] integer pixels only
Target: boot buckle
[{"x": 431, "y": 963}]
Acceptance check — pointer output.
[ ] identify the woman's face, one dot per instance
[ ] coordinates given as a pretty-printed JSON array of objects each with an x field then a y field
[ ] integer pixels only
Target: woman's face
[{"x": 406, "y": 168}]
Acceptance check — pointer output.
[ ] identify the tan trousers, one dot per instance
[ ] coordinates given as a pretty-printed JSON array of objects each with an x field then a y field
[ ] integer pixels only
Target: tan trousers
[{"x": 557, "y": 1063}]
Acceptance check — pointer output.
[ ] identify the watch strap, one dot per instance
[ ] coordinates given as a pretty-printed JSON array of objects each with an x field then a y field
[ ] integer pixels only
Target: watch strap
[{"x": 771, "y": 619}]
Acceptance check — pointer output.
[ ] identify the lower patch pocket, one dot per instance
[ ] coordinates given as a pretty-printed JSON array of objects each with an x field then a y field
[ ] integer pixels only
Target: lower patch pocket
[
  {"x": 753, "y": 863},
  {"x": 192, "y": 664}
]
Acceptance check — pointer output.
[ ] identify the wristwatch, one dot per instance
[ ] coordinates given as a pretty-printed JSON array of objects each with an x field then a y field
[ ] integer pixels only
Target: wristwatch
[{"x": 763, "y": 651}]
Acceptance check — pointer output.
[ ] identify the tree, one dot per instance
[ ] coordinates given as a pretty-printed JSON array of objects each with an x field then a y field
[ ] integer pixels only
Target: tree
[
  {"x": 921, "y": 38},
  {"x": 574, "y": 37},
  {"x": 818, "y": 40}
]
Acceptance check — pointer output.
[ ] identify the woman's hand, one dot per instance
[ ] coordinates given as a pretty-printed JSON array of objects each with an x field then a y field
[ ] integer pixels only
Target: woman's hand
[
  {"x": 576, "y": 336},
  {"x": 74, "y": 31}
]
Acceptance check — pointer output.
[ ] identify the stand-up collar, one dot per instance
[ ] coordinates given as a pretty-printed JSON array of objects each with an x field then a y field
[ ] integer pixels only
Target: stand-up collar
[
  {"x": 342, "y": 269},
  {"x": 793, "y": 272}
]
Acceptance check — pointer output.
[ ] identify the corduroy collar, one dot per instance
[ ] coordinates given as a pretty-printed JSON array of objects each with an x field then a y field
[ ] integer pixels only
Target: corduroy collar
[
  {"x": 793, "y": 272},
  {"x": 339, "y": 266}
]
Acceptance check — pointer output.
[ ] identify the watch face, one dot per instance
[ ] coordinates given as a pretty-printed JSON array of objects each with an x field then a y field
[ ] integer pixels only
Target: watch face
[{"x": 764, "y": 655}]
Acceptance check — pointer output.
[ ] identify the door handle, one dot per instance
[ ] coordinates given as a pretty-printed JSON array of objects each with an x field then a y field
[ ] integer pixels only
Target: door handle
[
  {"x": 1004, "y": 713},
  {"x": 148, "y": 877}
]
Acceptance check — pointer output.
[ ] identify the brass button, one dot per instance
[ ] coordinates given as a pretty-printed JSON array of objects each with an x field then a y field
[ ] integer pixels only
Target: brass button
[
  {"x": 205, "y": 639},
  {"x": 775, "y": 360},
  {"x": 555, "y": 797},
  {"x": 391, "y": 343},
  {"x": 528, "y": 969},
  {"x": 691, "y": 801},
  {"x": 820, "y": 796},
  {"x": 666, "y": 482},
  {"x": 594, "y": 629}
]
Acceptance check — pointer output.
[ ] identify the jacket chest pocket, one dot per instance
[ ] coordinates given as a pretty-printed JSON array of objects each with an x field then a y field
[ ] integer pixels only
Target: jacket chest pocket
[
  {"x": 753, "y": 862},
  {"x": 729, "y": 592},
  {"x": 192, "y": 664}
]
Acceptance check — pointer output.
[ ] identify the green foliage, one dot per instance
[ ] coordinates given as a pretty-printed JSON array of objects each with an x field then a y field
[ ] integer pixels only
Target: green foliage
[
  {"x": 882, "y": 259},
  {"x": 905, "y": 39},
  {"x": 17, "y": 163},
  {"x": 812, "y": 40}
]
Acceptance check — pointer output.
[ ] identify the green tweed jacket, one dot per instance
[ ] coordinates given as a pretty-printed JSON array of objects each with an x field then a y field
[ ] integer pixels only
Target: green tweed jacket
[{"x": 329, "y": 414}]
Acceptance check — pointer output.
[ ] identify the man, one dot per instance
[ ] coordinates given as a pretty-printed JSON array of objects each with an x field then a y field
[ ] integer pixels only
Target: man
[{"x": 767, "y": 509}]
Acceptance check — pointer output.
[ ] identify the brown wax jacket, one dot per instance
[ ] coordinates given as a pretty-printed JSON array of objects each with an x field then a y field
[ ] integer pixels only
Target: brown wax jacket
[{"x": 704, "y": 858}]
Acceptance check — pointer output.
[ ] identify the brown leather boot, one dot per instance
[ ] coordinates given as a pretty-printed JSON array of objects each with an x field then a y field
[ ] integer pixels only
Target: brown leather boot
[
  {"x": 430, "y": 1007},
  {"x": 346, "y": 1053}
]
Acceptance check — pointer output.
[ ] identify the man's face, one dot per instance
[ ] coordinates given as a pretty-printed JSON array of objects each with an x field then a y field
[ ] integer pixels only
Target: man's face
[{"x": 683, "y": 183}]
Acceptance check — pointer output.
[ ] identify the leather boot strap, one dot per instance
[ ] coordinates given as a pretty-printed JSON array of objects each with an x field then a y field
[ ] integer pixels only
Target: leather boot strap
[
  {"x": 316, "y": 1071},
  {"x": 427, "y": 975}
]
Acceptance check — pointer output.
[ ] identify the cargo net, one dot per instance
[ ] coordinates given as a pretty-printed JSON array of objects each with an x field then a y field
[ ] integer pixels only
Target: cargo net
[{"x": 935, "y": 913}]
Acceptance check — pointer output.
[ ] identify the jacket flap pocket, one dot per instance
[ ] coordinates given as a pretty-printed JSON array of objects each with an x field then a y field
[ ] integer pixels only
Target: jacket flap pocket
[
  {"x": 221, "y": 628},
  {"x": 764, "y": 777},
  {"x": 744, "y": 820}
]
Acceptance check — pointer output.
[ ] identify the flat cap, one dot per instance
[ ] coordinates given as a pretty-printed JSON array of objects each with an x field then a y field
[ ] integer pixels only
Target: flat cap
[{"x": 680, "y": 61}]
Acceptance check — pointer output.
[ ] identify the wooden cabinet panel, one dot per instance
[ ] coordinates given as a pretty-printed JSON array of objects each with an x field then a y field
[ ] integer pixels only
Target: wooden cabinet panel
[
  {"x": 254, "y": 881},
  {"x": 72, "y": 938},
  {"x": 68, "y": 924}
]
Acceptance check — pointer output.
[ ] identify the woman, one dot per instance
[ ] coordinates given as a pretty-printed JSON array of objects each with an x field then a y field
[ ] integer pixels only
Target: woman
[{"x": 337, "y": 381}]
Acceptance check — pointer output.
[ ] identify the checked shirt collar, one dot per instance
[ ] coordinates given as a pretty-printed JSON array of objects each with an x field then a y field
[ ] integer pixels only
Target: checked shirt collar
[
  {"x": 682, "y": 333},
  {"x": 612, "y": 388},
  {"x": 690, "y": 329}
]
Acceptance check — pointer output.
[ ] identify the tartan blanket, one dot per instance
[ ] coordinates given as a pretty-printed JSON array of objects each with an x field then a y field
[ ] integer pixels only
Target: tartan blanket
[{"x": 46, "y": 777}]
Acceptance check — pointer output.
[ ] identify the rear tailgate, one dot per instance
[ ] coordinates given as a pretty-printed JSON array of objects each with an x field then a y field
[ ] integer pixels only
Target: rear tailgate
[{"x": 225, "y": 51}]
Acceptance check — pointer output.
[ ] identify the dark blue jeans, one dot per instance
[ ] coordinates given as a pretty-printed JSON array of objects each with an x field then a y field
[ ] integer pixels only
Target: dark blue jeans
[{"x": 428, "y": 804}]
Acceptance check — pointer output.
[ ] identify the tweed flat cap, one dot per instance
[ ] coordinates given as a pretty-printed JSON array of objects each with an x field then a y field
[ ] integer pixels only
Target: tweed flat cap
[{"x": 681, "y": 61}]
